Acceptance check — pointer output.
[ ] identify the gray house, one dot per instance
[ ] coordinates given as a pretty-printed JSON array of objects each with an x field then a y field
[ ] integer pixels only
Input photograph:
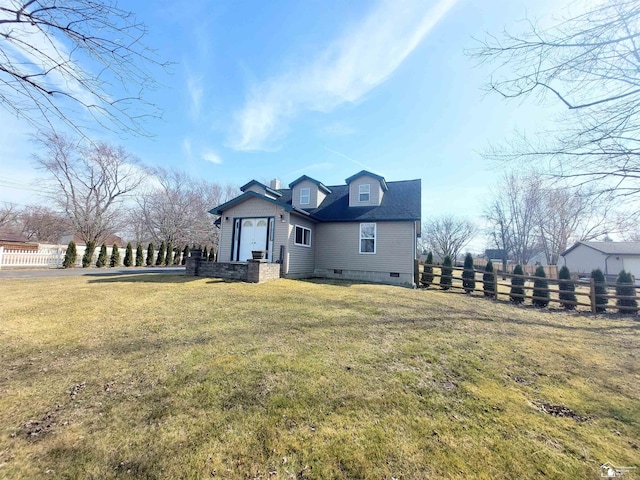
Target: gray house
[
  {"x": 363, "y": 230},
  {"x": 610, "y": 257}
]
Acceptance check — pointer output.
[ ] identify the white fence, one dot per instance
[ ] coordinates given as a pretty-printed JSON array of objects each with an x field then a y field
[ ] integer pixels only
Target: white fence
[
  {"x": 47, "y": 256},
  {"x": 52, "y": 256}
]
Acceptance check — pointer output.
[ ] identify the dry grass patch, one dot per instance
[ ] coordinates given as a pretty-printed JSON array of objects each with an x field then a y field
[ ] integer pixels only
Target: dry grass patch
[{"x": 171, "y": 377}]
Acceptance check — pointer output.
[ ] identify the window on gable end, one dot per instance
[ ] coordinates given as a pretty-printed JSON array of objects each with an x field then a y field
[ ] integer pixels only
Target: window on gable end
[
  {"x": 364, "y": 192},
  {"x": 305, "y": 196}
]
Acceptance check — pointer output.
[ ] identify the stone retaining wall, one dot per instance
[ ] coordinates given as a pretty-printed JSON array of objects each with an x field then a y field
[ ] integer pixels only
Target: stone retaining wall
[{"x": 252, "y": 271}]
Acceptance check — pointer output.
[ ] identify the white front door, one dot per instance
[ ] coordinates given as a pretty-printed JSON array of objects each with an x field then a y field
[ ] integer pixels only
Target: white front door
[{"x": 253, "y": 236}]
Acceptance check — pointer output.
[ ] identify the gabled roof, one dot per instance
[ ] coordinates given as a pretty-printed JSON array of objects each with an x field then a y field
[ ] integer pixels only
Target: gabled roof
[
  {"x": 262, "y": 185},
  {"x": 320, "y": 185},
  {"x": 401, "y": 202},
  {"x": 609, "y": 248},
  {"x": 362, "y": 173},
  {"x": 251, "y": 194}
]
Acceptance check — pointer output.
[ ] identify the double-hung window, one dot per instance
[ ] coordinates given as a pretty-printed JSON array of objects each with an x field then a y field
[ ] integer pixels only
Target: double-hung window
[
  {"x": 305, "y": 196},
  {"x": 303, "y": 236},
  {"x": 367, "y": 238},
  {"x": 364, "y": 193}
]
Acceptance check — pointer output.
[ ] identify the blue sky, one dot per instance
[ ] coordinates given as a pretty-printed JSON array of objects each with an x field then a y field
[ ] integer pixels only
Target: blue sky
[{"x": 323, "y": 88}]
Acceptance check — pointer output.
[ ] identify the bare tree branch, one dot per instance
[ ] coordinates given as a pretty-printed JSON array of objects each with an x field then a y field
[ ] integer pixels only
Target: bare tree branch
[
  {"x": 76, "y": 62},
  {"x": 590, "y": 63}
]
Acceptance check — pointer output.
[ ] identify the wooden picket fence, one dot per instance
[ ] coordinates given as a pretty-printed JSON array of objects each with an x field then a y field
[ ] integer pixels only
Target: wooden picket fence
[{"x": 585, "y": 291}]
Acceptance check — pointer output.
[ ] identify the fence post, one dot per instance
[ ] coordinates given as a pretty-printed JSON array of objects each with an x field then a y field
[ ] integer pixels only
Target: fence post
[
  {"x": 1, "y": 252},
  {"x": 592, "y": 294}
]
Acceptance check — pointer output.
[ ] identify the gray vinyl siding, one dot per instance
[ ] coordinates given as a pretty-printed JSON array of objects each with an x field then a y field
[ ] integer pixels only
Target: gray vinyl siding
[
  {"x": 301, "y": 259},
  {"x": 315, "y": 196},
  {"x": 337, "y": 247},
  {"x": 253, "y": 207},
  {"x": 375, "y": 190}
]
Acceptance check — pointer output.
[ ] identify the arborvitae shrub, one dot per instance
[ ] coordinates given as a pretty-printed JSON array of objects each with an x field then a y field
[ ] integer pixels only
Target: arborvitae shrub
[
  {"x": 185, "y": 254},
  {"x": 212, "y": 255},
  {"x": 139, "y": 256},
  {"x": 468, "y": 274},
  {"x": 566, "y": 289},
  {"x": 446, "y": 273},
  {"x": 128, "y": 256},
  {"x": 176, "y": 255},
  {"x": 168, "y": 258},
  {"x": 150, "y": 253},
  {"x": 205, "y": 253},
  {"x": 88, "y": 254},
  {"x": 427, "y": 274},
  {"x": 489, "y": 281},
  {"x": 102, "y": 256},
  {"x": 160, "y": 257},
  {"x": 517, "y": 286},
  {"x": 540, "y": 288},
  {"x": 115, "y": 256},
  {"x": 625, "y": 288},
  {"x": 601, "y": 290},
  {"x": 70, "y": 256}
]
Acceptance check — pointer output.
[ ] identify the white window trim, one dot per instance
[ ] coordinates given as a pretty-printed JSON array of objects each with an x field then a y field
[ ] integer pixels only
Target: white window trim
[
  {"x": 375, "y": 239},
  {"x": 303, "y": 229},
  {"x": 361, "y": 192},
  {"x": 308, "y": 196}
]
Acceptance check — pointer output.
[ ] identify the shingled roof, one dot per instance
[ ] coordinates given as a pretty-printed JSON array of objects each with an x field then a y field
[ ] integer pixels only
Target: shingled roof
[
  {"x": 609, "y": 248},
  {"x": 400, "y": 202}
]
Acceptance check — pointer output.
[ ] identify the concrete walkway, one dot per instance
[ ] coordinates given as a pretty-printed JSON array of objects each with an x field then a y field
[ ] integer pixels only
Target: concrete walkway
[{"x": 98, "y": 272}]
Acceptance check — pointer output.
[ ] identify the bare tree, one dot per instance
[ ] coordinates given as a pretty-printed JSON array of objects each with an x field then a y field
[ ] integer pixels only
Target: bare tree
[
  {"x": 42, "y": 224},
  {"x": 8, "y": 215},
  {"x": 528, "y": 215},
  {"x": 88, "y": 182},
  {"x": 60, "y": 60},
  {"x": 512, "y": 215},
  {"x": 590, "y": 64},
  {"x": 568, "y": 214},
  {"x": 175, "y": 209},
  {"x": 448, "y": 235}
]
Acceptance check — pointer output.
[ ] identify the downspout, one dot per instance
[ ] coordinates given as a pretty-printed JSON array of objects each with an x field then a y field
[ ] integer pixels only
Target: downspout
[{"x": 606, "y": 265}]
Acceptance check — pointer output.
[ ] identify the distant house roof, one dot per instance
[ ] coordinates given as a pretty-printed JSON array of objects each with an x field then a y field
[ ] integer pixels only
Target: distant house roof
[
  {"x": 362, "y": 173},
  {"x": 320, "y": 185},
  {"x": 401, "y": 202},
  {"x": 262, "y": 185},
  {"x": 11, "y": 240},
  {"x": 609, "y": 248}
]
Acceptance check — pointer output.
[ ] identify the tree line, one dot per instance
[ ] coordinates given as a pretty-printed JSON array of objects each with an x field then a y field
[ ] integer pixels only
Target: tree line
[{"x": 95, "y": 190}]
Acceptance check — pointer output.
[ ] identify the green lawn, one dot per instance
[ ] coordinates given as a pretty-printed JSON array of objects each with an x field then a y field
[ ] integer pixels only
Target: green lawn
[{"x": 145, "y": 376}]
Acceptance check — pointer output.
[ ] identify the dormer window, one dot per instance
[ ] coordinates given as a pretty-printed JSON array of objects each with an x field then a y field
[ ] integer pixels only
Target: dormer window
[
  {"x": 364, "y": 192},
  {"x": 305, "y": 196}
]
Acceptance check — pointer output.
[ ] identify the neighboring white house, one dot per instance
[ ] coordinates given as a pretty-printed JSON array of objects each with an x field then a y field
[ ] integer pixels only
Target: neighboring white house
[
  {"x": 610, "y": 257},
  {"x": 363, "y": 230}
]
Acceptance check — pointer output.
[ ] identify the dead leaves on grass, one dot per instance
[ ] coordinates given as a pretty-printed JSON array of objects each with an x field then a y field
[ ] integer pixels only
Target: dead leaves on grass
[{"x": 558, "y": 411}]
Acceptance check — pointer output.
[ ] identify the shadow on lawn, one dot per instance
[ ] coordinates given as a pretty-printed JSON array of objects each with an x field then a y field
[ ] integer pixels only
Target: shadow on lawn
[{"x": 150, "y": 277}]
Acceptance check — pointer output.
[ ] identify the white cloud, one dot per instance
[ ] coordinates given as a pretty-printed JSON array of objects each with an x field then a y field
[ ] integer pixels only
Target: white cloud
[
  {"x": 353, "y": 160},
  {"x": 344, "y": 72},
  {"x": 212, "y": 157},
  {"x": 195, "y": 89},
  {"x": 186, "y": 147}
]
